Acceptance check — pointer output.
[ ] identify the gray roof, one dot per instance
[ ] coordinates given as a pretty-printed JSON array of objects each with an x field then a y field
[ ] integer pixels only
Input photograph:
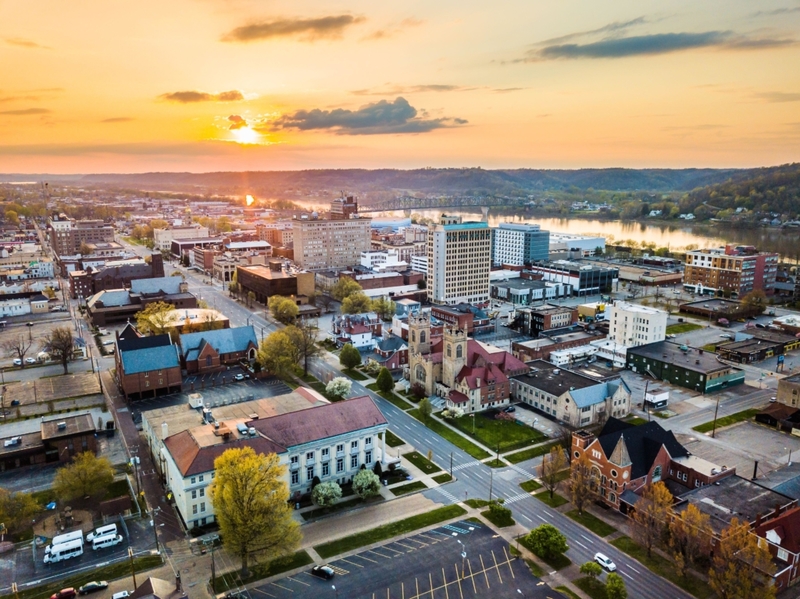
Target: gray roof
[
  {"x": 149, "y": 359},
  {"x": 671, "y": 353},
  {"x": 167, "y": 285},
  {"x": 543, "y": 377},
  {"x": 589, "y": 396},
  {"x": 391, "y": 343},
  {"x": 111, "y": 298},
  {"x": 225, "y": 341}
]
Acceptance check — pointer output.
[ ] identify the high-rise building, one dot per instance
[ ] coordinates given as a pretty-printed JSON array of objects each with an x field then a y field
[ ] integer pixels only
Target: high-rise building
[
  {"x": 735, "y": 269},
  {"x": 344, "y": 208},
  {"x": 336, "y": 243},
  {"x": 68, "y": 235},
  {"x": 633, "y": 325},
  {"x": 163, "y": 238},
  {"x": 519, "y": 244},
  {"x": 459, "y": 260}
]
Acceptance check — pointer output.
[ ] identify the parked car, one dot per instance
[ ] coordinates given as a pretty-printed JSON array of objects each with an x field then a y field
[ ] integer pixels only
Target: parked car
[
  {"x": 91, "y": 587},
  {"x": 121, "y": 595},
  {"x": 605, "y": 562},
  {"x": 509, "y": 409},
  {"x": 68, "y": 593},
  {"x": 17, "y": 362},
  {"x": 30, "y": 360},
  {"x": 325, "y": 572},
  {"x": 773, "y": 399},
  {"x": 239, "y": 377}
]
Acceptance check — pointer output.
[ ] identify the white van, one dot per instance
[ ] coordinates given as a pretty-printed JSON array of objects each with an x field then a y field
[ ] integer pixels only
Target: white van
[
  {"x": 75, "y": 535},
  {"x": 106, "y": 541},
  {"x": 103, "y": 531},
  {"x": 59, "y": 553}
]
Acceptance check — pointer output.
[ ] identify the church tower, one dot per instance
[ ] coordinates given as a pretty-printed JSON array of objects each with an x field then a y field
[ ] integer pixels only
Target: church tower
[
  {"x": 455, "y": 354},
  {"x": 419, "y": 333}
]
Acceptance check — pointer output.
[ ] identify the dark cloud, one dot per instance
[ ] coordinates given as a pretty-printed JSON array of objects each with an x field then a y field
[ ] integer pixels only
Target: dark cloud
[
  {"x": 118, "y": 119},
  {"x": 26, "y": 111},
  {"x": 613, "y": 29},
  {"x": 393, "y": 30},
  {"x": 648, "y": 45},
  {"x": 305, "y": 29},
  {"x": 776, "y": 12},
  {"x": 191, "y": 97},
  {"x": 237, "y": 122},
  {"x": 373, "y": 119},
  {"x": 778, "y": 97},
  {"x": 23, "y": 43}
]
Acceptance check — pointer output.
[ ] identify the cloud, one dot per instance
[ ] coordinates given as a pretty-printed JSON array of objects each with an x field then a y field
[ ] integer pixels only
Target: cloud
[
  {"x": 507, "y": 90},
  {"x": 191, "y": 97},
  {"x": 393, "y": 29},
  {"x": 23, "y": 43},
  {"x": 614, "y": 28},
  {"x": 118, "y": 119},
  {"x": 4, "y": 99},
  {"x": 237, "y": 122},
  {"x": 26, "y": 111},
  {"x": 654, "y": 44},
  {"x": 304, "y": 29},
  {"x": 381, "y": 117},
  {"x": 777, "y": 11},
  {"x": 395, "y": 90},
  {"x": 777, "y": 97}
]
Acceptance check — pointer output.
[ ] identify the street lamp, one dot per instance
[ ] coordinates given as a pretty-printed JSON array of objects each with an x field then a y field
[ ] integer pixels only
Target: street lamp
[
  {"x": 463, "y": 556},
  {"x": 333, "y": 586}
]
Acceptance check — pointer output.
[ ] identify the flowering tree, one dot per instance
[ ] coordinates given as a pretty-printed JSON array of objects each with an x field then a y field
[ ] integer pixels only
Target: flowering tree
[
  {"x": 339, "y": 387},
  {"x": 325, "y": 494}
]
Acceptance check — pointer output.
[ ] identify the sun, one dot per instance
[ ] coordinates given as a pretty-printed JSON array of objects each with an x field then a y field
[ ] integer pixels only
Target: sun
[{"x": 246, "y": 135}]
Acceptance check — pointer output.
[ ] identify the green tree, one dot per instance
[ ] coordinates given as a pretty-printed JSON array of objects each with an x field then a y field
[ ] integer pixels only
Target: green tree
[
  {"x": 17, "y": 509},
  {"x": 615, "y": 587},
  {"x": 550, "y": 470},
  {"x": 85, "y": 475},
  {"x": 251, "y": 297},
  {"x": 250, "y": 499},
  {"x": 60, "y": 345},
  {"x": 304, "y": 337},
  {"x": 425, "y": 408},
  {"x": 650, "y": 518},
  {"x": 591, "y": 569},
  {"x": 344, "y": 287},
  {"x": 366, "y": 484},
  {"x": 278, "y": 354},
  {"x": 339, "y": 387},
  {"x": 383, "y": 307},
  {"x": 357, "y": 303},
  {"x": 739, "y": 564},
  {"x": 755, "y": 299},
  {"x": 155, "y": 319},
  {"x": 349, "y": 357},
  {"x": 690, "y": 537},
  {"x": 283, "y": 309},
  {"x": 385, "y": 382},
  {"x": 326, "y": 494},
  {"x": 546, "y": 541}
]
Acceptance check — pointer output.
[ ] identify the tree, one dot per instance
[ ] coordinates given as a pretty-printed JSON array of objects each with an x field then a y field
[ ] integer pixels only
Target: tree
[
  {"x": 250, "y": 499},
  {"x": 552, "y": 465},
  {"x": 383, "y": 307},
  {"x": 425, "y": 408},
  {"x": 349, "y": 357},
  {"x": 251, "y": 297},
  {"x": 615, "y": 587},
  {"x": 339, "y": 387},
  {"x": 17, "y": 347},
  {"x": 385, "y": 382},
  {"x": 17, "y": 509},
  {"x": 344, "y": 287},
  {"x": 326, "y": 494},
  {"x": 283, "y": 309},
  {"x": 650, "y": 517},
  {"x": 155, "y": 318},
  {"x": 323, "y": 300},
  {"x": 581, "y": 489},
  {"x": 158, "y": 223},
  {"x": 304, "y": 337},
  {"x": 357, "y": 303},
  {"x": 60, "y": 345},
  {"x": 86, "y": 475},
  {"x": 377, "y": 468},
  {"x": 366, "y": 484},
  {"x": 546, "y": 541},
  {"x": 278, "y": 354},
  {"x": 755, "y": 299},
  {"x": 690, "y": 537},
  {"x": 418, "y": 391},
  {"x": 84, "y": 249},
  {"x": 591, "y": 569},
  {"x": 738, "y": 564}
]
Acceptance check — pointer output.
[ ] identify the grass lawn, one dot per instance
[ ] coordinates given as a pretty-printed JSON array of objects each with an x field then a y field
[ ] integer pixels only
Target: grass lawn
[
  {"x": 387, "y": 531},
  {"x": 417, "y": 485},
  {"x": 635, "y": 420},
  {"x": 566, "y": 592},
  {"x": 530, "y": 453},
  {"x": 421, "y": 462},
  {"x": 259, "y": 571},
  {"x": 710, "y": 347},
  {"x": 451, "y": 435},
  {"x": 476, "y": 503},
  {"x": 558, "y": 562},
  {"x": 592, "y": 587},
  {"x": 505, "y": 434},
  {"x": 596, "y": 525},
  {"x": 496, "y": 463},
  {"x": 391, "y": 397},
  {"x": 530, "y": 486},
  {"x": 555, "y": 501},
  {"x": 682, "y": 327},
  {"x": 499, "y": 522},
  {"x": 442, "y": 478},
  {"x": 355, "y": 375},
  {"x": 320, "y": 388},
  {"x": 393, "y": 440},
  {"x": 727, "y": 420},
  {"x": 337, "y": 507},
  {"x": 664, "y": 568}
]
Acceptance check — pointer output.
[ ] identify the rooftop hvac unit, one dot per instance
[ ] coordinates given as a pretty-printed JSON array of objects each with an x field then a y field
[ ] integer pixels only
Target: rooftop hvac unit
[{"x": 62, "y": 426}]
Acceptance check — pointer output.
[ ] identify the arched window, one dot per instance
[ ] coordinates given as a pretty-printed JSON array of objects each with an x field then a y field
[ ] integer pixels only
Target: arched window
[
  {"x": 420, "y": 373},
  {"x": 413, "y": 336},
  {"x": 449, "y": 353},
  {"x": 422, "y": 336},
  {"x": 657, "y": 474},
  {"x": 459, "y": 351}
]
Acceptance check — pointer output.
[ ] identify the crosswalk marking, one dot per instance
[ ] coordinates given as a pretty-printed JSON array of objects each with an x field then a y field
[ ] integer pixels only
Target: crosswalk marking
[
  {"x": 519, "y": 470},
  {"x": 447, "y": 494},
  {"x": 518, "y": 497},
  {"x": 466, "y": 465}
]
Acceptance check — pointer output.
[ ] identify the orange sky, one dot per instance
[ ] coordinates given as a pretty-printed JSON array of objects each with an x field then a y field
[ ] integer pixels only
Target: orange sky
[{"x": 199, "y": 85}]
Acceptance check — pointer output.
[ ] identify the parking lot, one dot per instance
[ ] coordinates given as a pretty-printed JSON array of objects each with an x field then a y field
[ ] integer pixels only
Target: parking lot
[{"x": 459, "y": 560}]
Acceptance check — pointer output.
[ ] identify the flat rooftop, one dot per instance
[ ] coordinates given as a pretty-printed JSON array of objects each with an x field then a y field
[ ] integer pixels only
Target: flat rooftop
[
  {"x": 552, "y": 379},
  {"x": 536, "y": 343},
  {"x": 563, "y": 336},
  {"x": 714, "y": 304},
  {"x": 72, "y": 425},
  {"x": 690, "y": 359},
  {"x": 266, "y": 272}
]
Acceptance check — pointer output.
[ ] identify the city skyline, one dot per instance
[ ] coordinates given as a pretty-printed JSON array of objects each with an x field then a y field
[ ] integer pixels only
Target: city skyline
[{"x": 206, "y": 85}]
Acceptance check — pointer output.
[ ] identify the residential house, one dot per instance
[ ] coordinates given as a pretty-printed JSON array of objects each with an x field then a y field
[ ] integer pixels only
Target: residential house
[
  {"x": 390, "y": 352},
  {"x": 210, "y": 351},
  {"x": 359, "y": 330}
]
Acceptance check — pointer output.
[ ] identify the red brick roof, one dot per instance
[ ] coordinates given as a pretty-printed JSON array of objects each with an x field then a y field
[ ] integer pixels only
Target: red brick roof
[
  {"x": 192, "y": 459},
  {"x": 787, "y": 527}
]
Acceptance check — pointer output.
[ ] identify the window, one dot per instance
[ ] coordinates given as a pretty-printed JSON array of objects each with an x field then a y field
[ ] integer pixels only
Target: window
[
  {"x": 368, "y": 441},
  {"x": 422, "y": 336},
  {"x": 194, "y": 494},
  {"x": 340, "y": 465},
  {"x": 326, "y": 469},
  {"x": 294, "y": 459},
  {"x": 614, "y": 473},
  {"x": 309, "y": 455},
  {"x": 420, "y": 373},
  {"x": 208, "y": 360},
  {"x": 309, "y": 473},
  {"x": 657, "y": 474},
  {"x": 202, "y": 506},
  {"x": 200, "y": 478},
  {"x": 449, "y": 353},
  {"x": 368, "y": 457},
  {"x": 340, "y": 447},
  {"x": 353, "y": 461},
  {"x": 202, "y": 492},
  {"x": 783, "y": 554},
  {"x": 194, "y": 509},
  {"x": 353, "y": 444},
  {"x": 295, "y": 477},
  {"x": 326, "y": 452},
  {"x": 459, "y": 351}
]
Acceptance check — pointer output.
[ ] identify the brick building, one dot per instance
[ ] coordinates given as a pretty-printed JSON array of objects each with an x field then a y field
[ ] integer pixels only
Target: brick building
[
  {"x": 210, "y": 351},
  {"x": 733, "y": 269},
  {"x": 58, "y": 440},
  {"x": 274, "y": 279},
  {"x": 147, "y": 366}
]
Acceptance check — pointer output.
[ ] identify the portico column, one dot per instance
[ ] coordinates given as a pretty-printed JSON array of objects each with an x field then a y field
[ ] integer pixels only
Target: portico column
[{"x": 383, "y": 447}]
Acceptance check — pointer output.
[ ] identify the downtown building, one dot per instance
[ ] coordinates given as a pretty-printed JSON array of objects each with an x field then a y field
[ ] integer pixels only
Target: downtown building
[
  {"x": 67, "y": 235},
  {"x": 335, "y": 243},
  {"x": 737, "y": 270},
  {"x": 459, "y": 260},
  {"x": 519, "y": 244}
]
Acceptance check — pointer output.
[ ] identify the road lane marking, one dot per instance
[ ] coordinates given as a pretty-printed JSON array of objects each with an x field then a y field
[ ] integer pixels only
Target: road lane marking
[
  {"x": 587, "y": 538},
  {"x": 626, "y": 574},
  {"x": 634, "y": 569},
  {"x": 581, "y": 544},
  {"x": 540, "y": 518},
  {"x": 526, "y": 517}
]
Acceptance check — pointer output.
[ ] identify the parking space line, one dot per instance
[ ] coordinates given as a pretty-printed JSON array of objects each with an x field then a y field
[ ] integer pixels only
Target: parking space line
[
  {"x": 364, "y": 558},
  {"x": 444, "y": 577},
  {"x": 262, "y": 592},
  {"x": 430, "y": 582},
  {"x": 377, "y": 553},
  {"x": 280, "y": 587},
  {"x": 390, "y": 549},
  {"x": 460, "y": 591},
  {"x": 339, "y": 570},
  {"x": 508, "y": 561},
  {"x": 485, "y": 575},
  {"x": 432, "y": 540},
  {"x": 349, "y": 562},
  {"x": 413, "y": 540},
  {"x": 409, "y": 547},
  {"x": 301, "y": 582},
  {"x": 472, "y": 576}
]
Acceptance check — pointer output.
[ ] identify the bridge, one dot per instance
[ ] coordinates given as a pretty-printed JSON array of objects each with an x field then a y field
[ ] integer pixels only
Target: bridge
[{"x": 410, "y": 203}]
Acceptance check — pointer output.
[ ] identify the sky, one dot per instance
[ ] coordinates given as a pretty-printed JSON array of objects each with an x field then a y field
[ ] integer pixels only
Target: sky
[{"x": 92, "y": 86}]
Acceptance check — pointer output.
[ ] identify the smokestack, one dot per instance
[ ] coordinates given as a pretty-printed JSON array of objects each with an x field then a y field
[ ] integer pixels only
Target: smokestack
[{"x": 755, "y": 470}]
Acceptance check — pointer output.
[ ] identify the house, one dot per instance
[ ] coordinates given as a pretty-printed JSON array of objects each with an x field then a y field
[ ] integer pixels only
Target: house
[
  {"x": 146, "y": 366},
  {"x": 780, "y": 416},
  {"x": 331, "y": 442},
  {"x": 119, "y": 305},
  {"x": 391, "y": 352},
  {"x": 782, "y": 535},
  {"x": 58, "y": 440},
  {"x": 210, "y": 351},
  {"x": 789, "y": 391},
  {"x": 359, "y": 330},
  {"x": 625, "y": 458}
]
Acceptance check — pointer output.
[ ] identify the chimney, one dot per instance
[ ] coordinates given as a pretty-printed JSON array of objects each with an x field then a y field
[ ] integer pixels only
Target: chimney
[
  {"x": 755, "y": 470},
  {"x": 164, "y": 430}
]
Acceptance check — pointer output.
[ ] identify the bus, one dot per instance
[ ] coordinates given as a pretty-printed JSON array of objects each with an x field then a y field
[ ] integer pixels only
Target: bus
[
  {"x": 75, "y": 535},
  {"x": 64, "y": 551}
]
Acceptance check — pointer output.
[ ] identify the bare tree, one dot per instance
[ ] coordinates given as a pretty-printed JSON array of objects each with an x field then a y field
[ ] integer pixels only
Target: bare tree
[
  {"x": 304, "y": 336},
  {"x": 580, "y": 482},
  {"x": 18, "y": 347},
  {"x": 60, "y": 345},
  {"x": 553, "y": 464}
]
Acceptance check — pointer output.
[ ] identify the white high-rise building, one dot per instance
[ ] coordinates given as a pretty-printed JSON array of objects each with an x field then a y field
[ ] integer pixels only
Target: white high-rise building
[
  {"x": 633, "y": 325},
  {"x": 459, "y": 260},
  {"x": 517, "y": 244}
]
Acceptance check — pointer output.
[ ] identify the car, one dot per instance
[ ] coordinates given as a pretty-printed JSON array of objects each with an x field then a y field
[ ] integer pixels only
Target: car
[
  {"x": 91, "y": 587},
  {"x": 761, "y": 326},
  {"x": 121, "y": 595},
  {"x": 773, "y": 399},
  {"x": 671, "y": 336},
  {"x": 17, "y": 362},
  {"x": 68, "y": 593},
  {"x": 752, "y": 318},
  {"x": 509, "y": 409},
  {"x": 30, "y": 360},
  {"x": 239, "y": 377},
  {"x": 605, "y": 562},
  {"x": 325, "y": 572}
]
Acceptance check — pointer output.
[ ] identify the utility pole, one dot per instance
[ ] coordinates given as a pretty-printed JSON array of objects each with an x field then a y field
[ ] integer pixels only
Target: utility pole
[
  {"x": 644, "y": 399},
  {"x": 714, "y": 428},
  {"x": 451, "y": 464},
  {"x": 133, "y": 570},
  {"x": 491, "y": 483}
]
